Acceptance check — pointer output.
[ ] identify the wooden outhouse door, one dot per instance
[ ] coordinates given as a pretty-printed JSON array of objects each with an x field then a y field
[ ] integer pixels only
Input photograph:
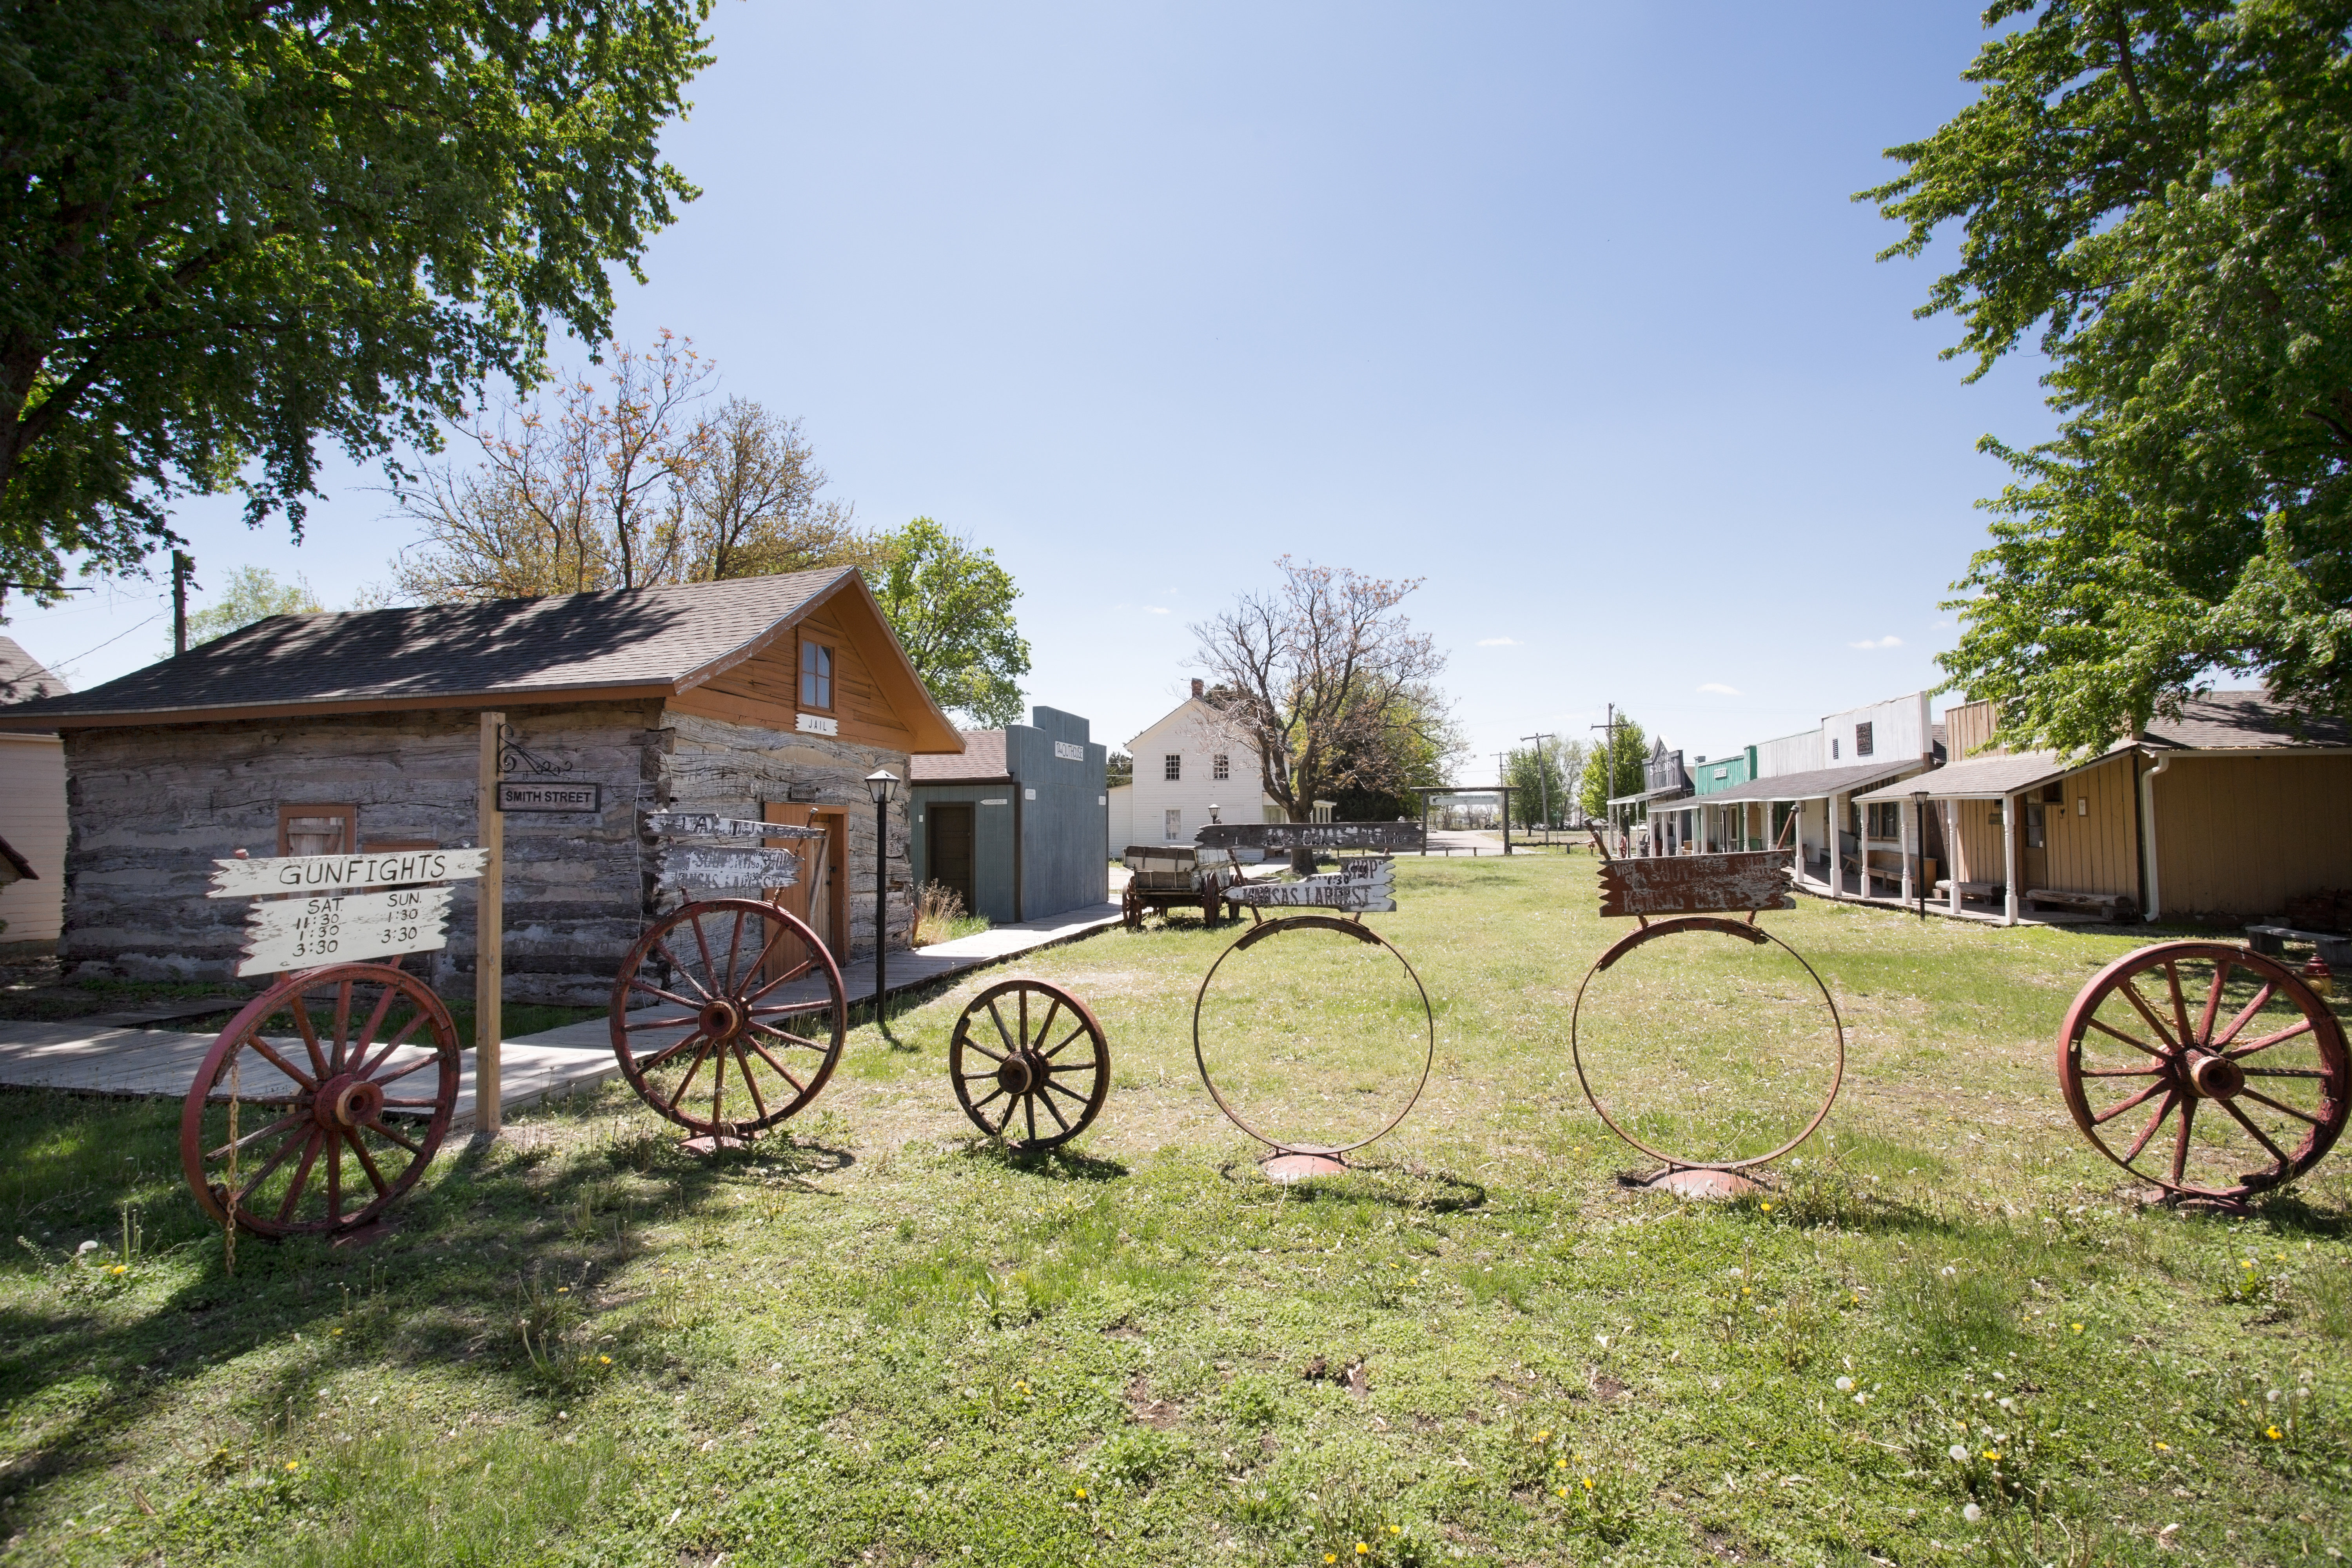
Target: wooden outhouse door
[{"x": 949, "y": 850}]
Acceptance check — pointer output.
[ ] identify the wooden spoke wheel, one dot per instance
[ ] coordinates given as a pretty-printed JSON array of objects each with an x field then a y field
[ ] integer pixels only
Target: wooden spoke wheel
[
  {"x": 2208, "y": 1070},
  {"x": 712, "y": 1023},
  {"x": 1023, "y": 1048},
  {"x": 340, "y": 1083}
]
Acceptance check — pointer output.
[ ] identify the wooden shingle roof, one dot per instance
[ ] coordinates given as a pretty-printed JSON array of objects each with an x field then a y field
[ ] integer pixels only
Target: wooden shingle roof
[{"x": 643, "y": 643}]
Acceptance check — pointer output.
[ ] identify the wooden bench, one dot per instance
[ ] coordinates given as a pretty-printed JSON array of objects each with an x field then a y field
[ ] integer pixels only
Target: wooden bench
[
  {"x": 2334, "y": 949},
  {"x": 1970, "y": 889},
  {"x": 2110, "y": 905}
]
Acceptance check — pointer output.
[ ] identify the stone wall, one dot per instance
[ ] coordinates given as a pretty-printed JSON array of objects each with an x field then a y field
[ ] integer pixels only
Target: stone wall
[{"x": 152, "y": 808}]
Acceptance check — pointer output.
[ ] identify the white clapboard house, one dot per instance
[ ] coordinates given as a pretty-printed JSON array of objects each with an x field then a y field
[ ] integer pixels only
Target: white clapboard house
[
  {"x": 32, "y": 813},
  {"x": 1190, "y": 764}
]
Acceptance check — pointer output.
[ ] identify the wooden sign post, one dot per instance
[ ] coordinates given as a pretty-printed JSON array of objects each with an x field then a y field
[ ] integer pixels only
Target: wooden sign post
[{"x": 490, "y": 936}]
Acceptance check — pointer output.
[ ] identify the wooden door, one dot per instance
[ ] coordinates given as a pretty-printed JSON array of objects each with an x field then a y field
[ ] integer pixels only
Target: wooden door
[
  {"x": 949, "y": 850},
  {"x": 2034, "y": 848},
  {"x": 818, "y": 897}
]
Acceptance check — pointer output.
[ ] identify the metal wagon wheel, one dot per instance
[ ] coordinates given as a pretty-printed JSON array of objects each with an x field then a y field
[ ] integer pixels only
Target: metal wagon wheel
[
  {"x": 1030, "y": 1073},
  {"x": 2247, "y": 1065},
  {"x": 1292, "y": 1161},
  {"x": 336, "y": 1078},
  {"x": 1747, "y": 932},
  {"x": 703, "y": 989}
]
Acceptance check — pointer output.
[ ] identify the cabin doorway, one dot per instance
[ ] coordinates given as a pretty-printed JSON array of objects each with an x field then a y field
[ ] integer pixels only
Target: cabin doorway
[
  {"x": 818, "y": 896},
  {"x": 949, "y": 852}
]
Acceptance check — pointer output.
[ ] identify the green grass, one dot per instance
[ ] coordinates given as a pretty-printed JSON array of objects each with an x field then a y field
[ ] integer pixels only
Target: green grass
[{"x": 880, "y": 1341}]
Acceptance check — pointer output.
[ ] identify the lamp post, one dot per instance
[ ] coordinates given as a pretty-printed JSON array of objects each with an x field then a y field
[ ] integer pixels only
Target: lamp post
[
  {"x": 883, "y": 786},
  {"x": 1919, "y": 843}
]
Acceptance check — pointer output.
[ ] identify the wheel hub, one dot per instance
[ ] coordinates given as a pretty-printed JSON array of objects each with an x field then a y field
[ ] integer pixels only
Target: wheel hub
[
  {"x": 2216, "y": 1078},
  {"x": 721, "y": 1019},
  {"x": 1021, "y": 1072},
  {"x": 348, "y": 1101}
]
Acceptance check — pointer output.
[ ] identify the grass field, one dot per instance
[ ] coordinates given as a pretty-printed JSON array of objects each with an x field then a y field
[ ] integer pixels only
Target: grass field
[{"x": 1949, "y": 1333}]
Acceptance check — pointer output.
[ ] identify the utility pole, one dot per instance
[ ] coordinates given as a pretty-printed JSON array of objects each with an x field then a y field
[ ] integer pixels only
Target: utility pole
[
  {"x": 1543, "y": 779},
  {"x": 1609, "y": 743},
  {"x": 182, "y": 569}
]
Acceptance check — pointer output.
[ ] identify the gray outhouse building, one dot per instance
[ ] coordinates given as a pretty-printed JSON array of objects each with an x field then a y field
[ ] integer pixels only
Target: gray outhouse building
[{"x": 1018, "y": 825}]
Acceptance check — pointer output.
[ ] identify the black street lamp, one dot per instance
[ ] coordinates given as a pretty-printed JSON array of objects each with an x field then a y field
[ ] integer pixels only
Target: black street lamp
[{"x": 883, "y": 786}]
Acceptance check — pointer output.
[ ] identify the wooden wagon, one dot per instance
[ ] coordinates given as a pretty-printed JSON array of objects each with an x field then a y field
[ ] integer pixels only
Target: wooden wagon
[{"x": 1170, "y": 876}]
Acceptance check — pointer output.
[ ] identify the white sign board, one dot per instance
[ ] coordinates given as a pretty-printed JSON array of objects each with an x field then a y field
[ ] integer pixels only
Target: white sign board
[
  {"x": 692, "y": 865},
  {"x": 703, "y": 825},
  {"x": 815, "y": 724},
  {"x": 342, "y": 873},
  {"x": 551, "y": 795},
  {"x": 1069, "y": 751},
  {"x": 301, "y": 933},
  {"x": 1371, "y": 890}
]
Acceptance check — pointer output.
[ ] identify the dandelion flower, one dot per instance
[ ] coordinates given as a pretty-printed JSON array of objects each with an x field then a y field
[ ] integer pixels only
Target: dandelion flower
[
  {"x": 2273, "y": 1433},
  {"x": 2164, "y": 1447},
  {"x": 2248, "y": 1263},
  {"x": 1082, "y": 1491},
  {"x": 1972, "y": 1513},
  {"x": 1959, "y": 1454},
  {"x": 605, "y": 1359},
  {"x": 293, "y": 1463},
  {"x": 1396, "y": 1530},
  {"x": 1542, "y": 1437},
  {"x": 1993, "y": 1453},
  {"x": 1559, "y": 1491},
  {"x": 1768, "y": 1208},
  {"x": 2078, "y": 1328},
  {"x": 1845, "y": 1386},
  {"x": 1588, "y": 1483},
  {"x": 1361, "y": 1549},
  {"x": 1330, "y": 1557}
]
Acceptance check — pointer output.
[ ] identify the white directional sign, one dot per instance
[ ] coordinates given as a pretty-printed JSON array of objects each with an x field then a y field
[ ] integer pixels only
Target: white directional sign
[
  {"x": 1371, "y": 889},
  {"x": 692, "y": 865},
  {"x": 703, "y": 825},
  {"x": 342, "y": 873},
  {"x": 302, "y": 934}
]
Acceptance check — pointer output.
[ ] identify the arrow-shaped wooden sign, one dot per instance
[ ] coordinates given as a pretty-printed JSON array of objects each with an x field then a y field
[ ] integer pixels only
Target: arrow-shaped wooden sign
[
  {"x": 301, "y": 933},
  {"x": 692, "y": 865},
  {"x": 331, "y": 874},
  {"x": 704, "y": 824}
]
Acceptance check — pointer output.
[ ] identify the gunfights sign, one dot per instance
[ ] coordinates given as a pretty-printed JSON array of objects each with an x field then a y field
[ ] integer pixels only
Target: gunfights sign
[{"x": 340, "y": 922}]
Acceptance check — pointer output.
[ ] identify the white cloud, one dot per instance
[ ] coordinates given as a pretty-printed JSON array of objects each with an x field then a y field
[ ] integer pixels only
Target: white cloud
[
  {"x": 1498, "y": 642},
  {"x": 1719, "y": 688},
  {"x": 1888, "y": 641},
  {"x": 1163, "y": 610}
]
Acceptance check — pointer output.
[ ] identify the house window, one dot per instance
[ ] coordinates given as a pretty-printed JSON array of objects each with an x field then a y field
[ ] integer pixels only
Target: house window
[
  {"x": 1886, "y": 819},
  {"x": 318, "y": 829},
  {"x": 816, "y": 676},
  {"x": 1221, "y": 766},
  {"x": 1833, "y": 748},
  {"x": 1861, "y": 739},
  {"x": 2035, "y": 833},
  {"x": 1173, "y": 767},
  {"x": 1175, "y": 825}
]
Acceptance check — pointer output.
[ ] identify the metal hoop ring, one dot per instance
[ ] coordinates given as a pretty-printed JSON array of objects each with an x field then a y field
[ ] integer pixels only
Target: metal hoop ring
[
  {"x": 1362, "y": 932},
  {"x": 1745, "y": 932}
]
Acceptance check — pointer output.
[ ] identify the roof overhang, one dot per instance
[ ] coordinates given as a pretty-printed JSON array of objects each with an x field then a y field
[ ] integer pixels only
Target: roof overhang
[{"x": 460, "y": 702}]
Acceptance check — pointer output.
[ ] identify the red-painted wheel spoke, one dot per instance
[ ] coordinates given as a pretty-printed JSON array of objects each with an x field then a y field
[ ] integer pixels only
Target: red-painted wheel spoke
[
  {"x": 670, "y": 1022},
  {"x": 301, "y": 1175},
  {"x": 342, "y": 1024},
  {"x": 351, "y": 1136},
  {"x": 269, "y": 1167},
  {"x": 743, "y": 1065},
  {"x": 1011, "y": 1105},
  {"x": 310, "y": 1033},
  {"x": 1044, "y": 1028},
  {"x": 2287, "y": 1072},
  {"x": 647, "y": 1064},
  {"x": 804, "y": 967},
  {"x": 1057, "y": 1089},
  {"x": 2130, "y": 994},
  {"x": 382, "y": 1130},
  {"x": 734, "y": 951},
  {"x": 2245, "y": 1015},
  {"x": 2300, "y": 1026},
  {"x": 804, "y": 1043},
  {"x": 2213, "y": 1001},
  {"x": 2282, "y": 1107},
  {"x": 2259, "y": 1136},
  {"x": 419, "y": 1065},
  {"x": 2119, "y": 1072},
  {"x": 718, "y": 1087},
  {"x": 2138, "y": 1044},
  {"x": 2148, "y": 1132},
  {"x": 250, "y": 1138},
  {"x": 398, "y": 1040},
  {"x": 702, "y": 946},
  {"x": 692, "y": 1067},
  {"x": 2179, "y": 1003},
  {"x": 638, "y": 983},
  {"x": 375, "y": 1021},
  {"x": 410, "y": 1104},
  {"x": 677, "y": 967},
  {"x": 2112, "y": 1111},
  {"x": 268, "y": 1053},
  {"x": 2180, "y": 1145}
]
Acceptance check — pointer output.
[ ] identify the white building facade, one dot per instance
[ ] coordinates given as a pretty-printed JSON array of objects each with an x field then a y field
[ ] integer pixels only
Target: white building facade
[{"x": 1188, "y": 765}]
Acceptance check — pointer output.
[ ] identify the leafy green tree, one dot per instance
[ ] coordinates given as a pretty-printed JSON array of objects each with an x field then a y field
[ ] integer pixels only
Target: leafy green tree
[
  {"x": 1614, "y": 768},
  {"x": 1380, "y": 765},
  {"x": 951, "y": 606},
  {"x": 252, "y": 593},
  {"x": 2164, "y": 189},
  {"x": 1541, "y": 777},
  {"x": 228, "y": 228}
]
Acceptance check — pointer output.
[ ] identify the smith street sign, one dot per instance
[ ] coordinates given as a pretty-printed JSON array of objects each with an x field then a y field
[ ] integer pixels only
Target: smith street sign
[
  {"x": 551, "y": 795},
  {"x": 693, "y": 866},
  {"x": 301, "y": 933},
  {"x": 1384, "y": 838},
  {"x": 341, "y": 873}
]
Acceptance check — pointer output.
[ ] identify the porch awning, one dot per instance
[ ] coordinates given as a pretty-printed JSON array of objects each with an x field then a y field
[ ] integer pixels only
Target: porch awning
[
  {"x": 1816, "y": 784},
  {"x": 1674, "y": 791},
  {"x": 1985, "y": 778}
]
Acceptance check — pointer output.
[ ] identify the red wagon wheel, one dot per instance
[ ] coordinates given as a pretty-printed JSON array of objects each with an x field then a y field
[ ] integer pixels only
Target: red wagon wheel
[
  {"x": 340, "y": 1082},
  {"x": 1023, "y": 1031},
  {"x": 2205, "y": 1069},
  {"x": 711, "y": 1004}
]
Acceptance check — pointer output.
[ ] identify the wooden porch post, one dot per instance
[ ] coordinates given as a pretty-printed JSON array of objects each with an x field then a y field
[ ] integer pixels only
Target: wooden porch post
[
  {"x": 2009, "y": 859},
  {"x": 1952, "y": 849},
  {"x": 1837, "y": 873},
  {"x": 1861, "y": 841},
  {"x": 1910, "y": 850},
  {"x": 490, "y": 936}
]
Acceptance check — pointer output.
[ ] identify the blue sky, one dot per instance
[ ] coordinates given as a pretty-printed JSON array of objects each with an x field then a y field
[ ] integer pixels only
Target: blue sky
[{"x": 1563, "y": 309}]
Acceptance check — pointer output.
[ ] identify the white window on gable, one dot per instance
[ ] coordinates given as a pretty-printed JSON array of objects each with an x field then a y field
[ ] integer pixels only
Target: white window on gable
[
  {"x": 1221, "y": 766},
  {"x": 1861, "y": 739},
  {"x": 1173, "y": 767},
  {"x": 1175, "y": 824}
]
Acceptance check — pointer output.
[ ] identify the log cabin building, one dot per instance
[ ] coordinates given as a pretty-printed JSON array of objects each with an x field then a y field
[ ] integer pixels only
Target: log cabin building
[
  {"x": 2222, "y": 815},
  {"x": 766, "y": 697}
]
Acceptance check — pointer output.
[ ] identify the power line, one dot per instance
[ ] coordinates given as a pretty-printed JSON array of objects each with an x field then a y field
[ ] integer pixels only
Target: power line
[{"x": 110, "y": 642}]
